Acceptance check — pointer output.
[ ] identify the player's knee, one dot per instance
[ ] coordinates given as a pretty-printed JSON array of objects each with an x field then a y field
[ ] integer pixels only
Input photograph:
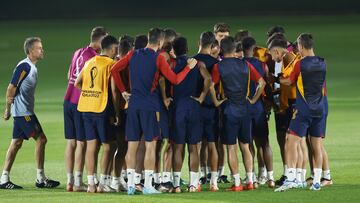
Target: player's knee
[
  {"x": 72, "y": 144},
  {"x": 81, "y": 144},
  {"x": 42, "y": 139},
  {"x": 17, "y": 144},
  {"x": 106, "y": 147},
  {"x": 193, "y": 149}
]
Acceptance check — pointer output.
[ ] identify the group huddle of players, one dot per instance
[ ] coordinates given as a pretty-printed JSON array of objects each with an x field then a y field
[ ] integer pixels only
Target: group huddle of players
[{"x": 143, "y": 99}]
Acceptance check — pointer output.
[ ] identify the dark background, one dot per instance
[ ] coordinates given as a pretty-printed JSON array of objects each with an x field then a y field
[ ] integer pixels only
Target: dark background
[{"x": 48, "y": 9}]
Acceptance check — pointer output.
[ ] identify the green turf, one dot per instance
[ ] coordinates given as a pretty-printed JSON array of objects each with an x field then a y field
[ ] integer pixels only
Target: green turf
[{"x": 337, "y": 39}]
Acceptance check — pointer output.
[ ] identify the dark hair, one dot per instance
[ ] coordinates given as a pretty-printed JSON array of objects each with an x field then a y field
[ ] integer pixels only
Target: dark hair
[
  {"x": 180, "y": 46},
  {"x": 29, "y": 42},
  {"x": 275, "y": 29},
  {"x": 127, "y": 38},
  {"x": 221, "y": 27},
  {"x": 248, "y": 42},
  {"x": 276, "y": 36},
  {"x": 155, "y": 35},
  {"x": 306, "y": 40},
  {"x": 241, "y": 34},
  {"x": 126, "y": 44},
  {"x": 215, "y": 44},
  {"x": 207, "y": 39},
  {"x": 277, "y": 43},
  {"x": 108, "y": 41},
  {"x": 227, "y": 45},
  {"x": 239, "y": 47},
  {"x": 140, "y": 41},
  {"x": 170, "y": 34},
  {"x": 97, "y": 33}
]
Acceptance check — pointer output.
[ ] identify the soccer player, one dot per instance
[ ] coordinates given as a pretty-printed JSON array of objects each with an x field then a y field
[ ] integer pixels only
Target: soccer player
[
  {"x": 140, "y": 41},
  {"x": 20, "y": 101},
  {"x": 145, "y": 66},
  {"x": 126, "y": 44},
  {"x": 280, "y": 30},
  {"x": 215, "y": 49},
  {"x": 241, "y": 34},
  {"x": 310, "y": 113},
  {"x": 97, "y": 109},
  {"x": 326, "y": 175},
  {"x": 187, "y": 115},
  {"x": 209, "y": 115},
  {"x": 239, "y": 52},
  {"x": 221, "y": 30},
  {"x": 235, "y": 75},
  {"x": 165, "y": 119},
  {"x": 73, "y": 122},
  {"x": 286, "y": 95},
  {"x": 260, "y": 128}
]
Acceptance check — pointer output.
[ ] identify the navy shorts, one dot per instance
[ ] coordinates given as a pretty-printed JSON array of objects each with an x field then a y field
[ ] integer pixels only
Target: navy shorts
[
  {"x": 259, "y": 125},
  {"x": 99, "y": 126},
  {"x": 302, "y": 125},
  {"x": 282, "y": 120},
  {"x": 210, "y": 120},
  {"x": 142, "y": 122},
  {"x": 73, "y": 122},
  {"x": 188, "y": 127},
  {"x": 26, "y": 127},
  {"x": 164, "y": 122},
  {"x": 236, "y": 128},
  {"x": 123, "y": 115}
]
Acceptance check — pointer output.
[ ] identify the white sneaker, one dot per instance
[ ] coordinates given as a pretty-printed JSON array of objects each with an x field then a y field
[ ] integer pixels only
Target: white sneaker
[
  {"x": 115, "y": 187},
  {"x": 105, "y": 188},
  {"x": 262, "y": 180},
  {"x": 315, "y": 187},
  {"x": 123, "y": 185},
  {"x": 286, "y": 186}
]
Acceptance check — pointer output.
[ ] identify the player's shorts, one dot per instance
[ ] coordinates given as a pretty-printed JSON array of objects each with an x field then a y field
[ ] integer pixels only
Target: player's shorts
[
  {"x": 26, "y": 127},
  {"x": 99, "y": 126},
  {"x": 121, "y": 127},
  {"x": 259, "y": 125},
  {"x": 142, "y": 122},
  {"x": 73, "y": 122},
  {"x": 188, "y": 126},
  {"x": 210, "y": 120},
  {"x": 123, "y": 115},
  {"x": 164, "y": 122},
  {"x": 282, "y": 120},
  {"x": 236, "y": 128},
  {"x": 302, "y": 125}
]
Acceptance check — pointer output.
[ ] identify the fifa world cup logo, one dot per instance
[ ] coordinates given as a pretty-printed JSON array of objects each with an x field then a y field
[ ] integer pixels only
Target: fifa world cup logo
[{"x": 93, "y": 73}]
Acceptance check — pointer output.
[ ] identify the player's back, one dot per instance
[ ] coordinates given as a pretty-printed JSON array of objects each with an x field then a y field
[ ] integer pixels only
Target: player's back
[
  {"x": 95, "y": 85},
  {"x": 144, "y": 76},
  {"x": 188, "y": 87},
  {"x": 311, "y": 86},
  {"x": 209, "y": 62},
  {"x": 80, "y": 57},
  {"x": 234, "y": 75},
  {"x": 260, "y": 68}
]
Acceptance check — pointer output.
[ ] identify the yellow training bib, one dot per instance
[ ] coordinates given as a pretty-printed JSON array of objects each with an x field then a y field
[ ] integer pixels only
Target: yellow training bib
[
  {"x": 288, "y": 92},
  {"x": 95, "y": 84}
]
